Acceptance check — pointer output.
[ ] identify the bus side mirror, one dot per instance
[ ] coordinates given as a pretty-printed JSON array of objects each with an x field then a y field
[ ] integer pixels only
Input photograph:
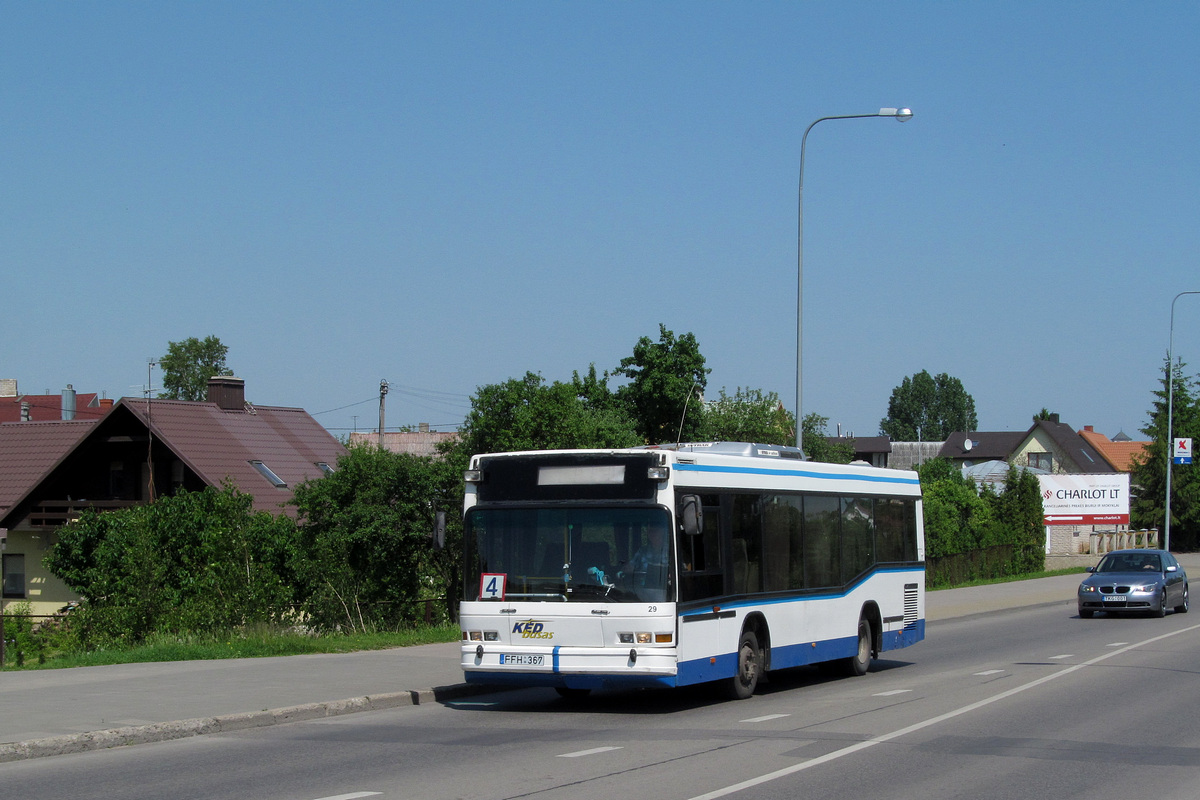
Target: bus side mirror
[{"x": 691, "y": 514}]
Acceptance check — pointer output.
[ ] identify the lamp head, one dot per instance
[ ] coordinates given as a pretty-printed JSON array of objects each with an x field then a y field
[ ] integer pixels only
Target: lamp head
[{"x": 901, "y": 114}]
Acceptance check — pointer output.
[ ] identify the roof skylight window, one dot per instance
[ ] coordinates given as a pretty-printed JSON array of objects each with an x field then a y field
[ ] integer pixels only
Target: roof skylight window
[{"x": 266, "y": 472}]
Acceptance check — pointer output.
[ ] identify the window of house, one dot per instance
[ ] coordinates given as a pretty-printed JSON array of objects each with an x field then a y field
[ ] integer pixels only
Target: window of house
[
  {"x": 1042, "y": 461},
  {"x": 266, "y": 472},
  {"x": 14, "y": 575}
]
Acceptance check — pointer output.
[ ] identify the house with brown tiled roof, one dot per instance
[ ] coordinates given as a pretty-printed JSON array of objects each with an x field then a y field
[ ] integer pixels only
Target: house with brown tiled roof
[
  {"x": 17, "y": 407},
  {"x": 967, "y": 448},
  {"x": 1122, "y": 452},
  {"x": 1055, "y": 447},
  {"x": 421, "y": 442},
  {"x": 141, "y": 449}
]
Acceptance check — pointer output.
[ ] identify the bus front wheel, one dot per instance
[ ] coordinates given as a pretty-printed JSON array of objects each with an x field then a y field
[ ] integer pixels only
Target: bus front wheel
[{"x": 749, "y": 667}]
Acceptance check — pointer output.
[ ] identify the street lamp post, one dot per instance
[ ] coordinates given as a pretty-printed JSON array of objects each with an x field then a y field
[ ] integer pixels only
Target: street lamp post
[
  {"x": 1170, "y": 420},
  {"x": 900, "y": 115}
]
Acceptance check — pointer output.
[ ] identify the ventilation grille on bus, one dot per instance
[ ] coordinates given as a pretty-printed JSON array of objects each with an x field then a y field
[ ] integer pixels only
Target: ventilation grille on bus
[{"x": 910, "y": 606}]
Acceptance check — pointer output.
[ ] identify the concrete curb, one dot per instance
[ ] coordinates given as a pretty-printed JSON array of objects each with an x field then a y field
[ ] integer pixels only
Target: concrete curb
[{"x": 182, "y": 729}]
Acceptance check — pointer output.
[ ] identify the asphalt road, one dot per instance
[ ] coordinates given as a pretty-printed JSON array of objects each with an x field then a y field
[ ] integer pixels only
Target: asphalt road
[{"x": 1030, "y": 702}]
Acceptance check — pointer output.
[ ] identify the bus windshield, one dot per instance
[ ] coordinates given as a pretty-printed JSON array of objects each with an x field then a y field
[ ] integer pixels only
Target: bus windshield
[{"x": 571, "y": 554}]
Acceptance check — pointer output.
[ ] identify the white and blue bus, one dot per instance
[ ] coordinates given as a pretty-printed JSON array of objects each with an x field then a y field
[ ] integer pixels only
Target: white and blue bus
[{"x": 684, "y": 564}]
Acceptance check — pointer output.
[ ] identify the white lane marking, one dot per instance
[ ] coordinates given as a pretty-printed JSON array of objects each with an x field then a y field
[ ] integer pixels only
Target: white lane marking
[
  {"x": 591, "y": 752},
  {"x": 918, "y": 726},
  {"x": 892, "y": 692},
  {"x": 765, "y": 718},
  {"x": 1060, "y": 658},
  {"x": 989, "y": 672},
  {"x": 1116, "y": 644},
  {"x": 351, "y": 796}
]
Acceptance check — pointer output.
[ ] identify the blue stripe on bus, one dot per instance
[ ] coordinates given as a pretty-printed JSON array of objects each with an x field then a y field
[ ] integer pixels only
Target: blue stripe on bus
[
  {"x": 592, "y": 681},
  {"x": 795, "y": 473},
  {"x": 795, "y": 598},
  {"x": 711, "y": 668}
]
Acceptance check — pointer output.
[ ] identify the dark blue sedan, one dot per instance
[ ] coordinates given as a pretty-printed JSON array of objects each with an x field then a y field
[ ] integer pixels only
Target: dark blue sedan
[{"x": 1135, "y": 580}]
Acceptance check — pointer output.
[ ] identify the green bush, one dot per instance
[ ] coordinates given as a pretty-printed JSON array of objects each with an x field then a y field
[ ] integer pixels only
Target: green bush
[
  {"x": 19, "y": 640},
  {"x": 975, "y": 534},
  {"x": 196, "y": 561},
  {"x": 365, "y": 559}
]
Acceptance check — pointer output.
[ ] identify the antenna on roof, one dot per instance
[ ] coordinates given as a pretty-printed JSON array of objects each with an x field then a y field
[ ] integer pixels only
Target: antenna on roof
[{"x": 683, "y": 416}]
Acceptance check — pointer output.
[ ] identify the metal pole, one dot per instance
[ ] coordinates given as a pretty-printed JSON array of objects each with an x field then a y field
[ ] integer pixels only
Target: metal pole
[
  {"x": 901, "y": 115},
  {"x": 383, "y": 390},
  {"x": 1166, "y": 543}
]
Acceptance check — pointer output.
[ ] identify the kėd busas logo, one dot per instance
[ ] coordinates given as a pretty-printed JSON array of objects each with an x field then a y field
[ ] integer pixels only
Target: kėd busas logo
[{"x": 532, "y": 629}]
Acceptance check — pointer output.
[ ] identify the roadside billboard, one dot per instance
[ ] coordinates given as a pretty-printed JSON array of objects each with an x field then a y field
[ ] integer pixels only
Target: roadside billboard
[{"x": 1085, "y": 499}]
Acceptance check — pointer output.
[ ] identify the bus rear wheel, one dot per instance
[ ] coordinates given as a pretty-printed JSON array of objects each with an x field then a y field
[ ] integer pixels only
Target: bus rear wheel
[
  {"x": 749, "y": 667},
  {"x": 857, "y": 664}
]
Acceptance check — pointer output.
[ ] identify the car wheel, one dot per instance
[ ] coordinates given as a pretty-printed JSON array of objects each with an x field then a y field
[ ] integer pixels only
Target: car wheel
[
  {"x": 1183, "y": 604},
  {"x": 1086, "y": 613},
  {"x": 749, "y": 667},
  {"x": 1161, "y": 611}
]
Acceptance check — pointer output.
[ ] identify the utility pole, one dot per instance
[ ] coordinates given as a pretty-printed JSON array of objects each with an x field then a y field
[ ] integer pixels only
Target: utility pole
[
  {"x": 150, "y": 364},
  {"x": 383, "y": 390}
]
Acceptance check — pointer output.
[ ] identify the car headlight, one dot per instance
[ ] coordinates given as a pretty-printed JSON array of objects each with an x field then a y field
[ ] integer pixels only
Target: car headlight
[
  {"x": 1149, "y": 588},
  {"x": 1087, "y": 589}
]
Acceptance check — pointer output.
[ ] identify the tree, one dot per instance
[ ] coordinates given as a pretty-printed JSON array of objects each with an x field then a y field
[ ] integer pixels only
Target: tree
[
  {"x": 929, "y": 409},
  {"x": 189, "y": 364},
  {"x": 664, "y": 376},
  {"x": 1149, "y": 475},
  {"x": 365, "y": 554},
  {"x": 750, "y": 415},
  {"x": 529, "y": 414},
  {"x": 817, "y": 445},
  {"x": 978, "y": 533},
  {"x": 1019, "y": 513}
]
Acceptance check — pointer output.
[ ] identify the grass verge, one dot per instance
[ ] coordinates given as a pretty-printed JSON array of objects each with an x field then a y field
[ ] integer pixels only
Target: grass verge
[
  {"x": 1010, "y": 578},
  {"x": 242, "y": 644}
]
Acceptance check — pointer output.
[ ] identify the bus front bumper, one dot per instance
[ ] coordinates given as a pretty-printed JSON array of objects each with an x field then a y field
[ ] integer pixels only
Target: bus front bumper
[{"x": 569, "y": 667}]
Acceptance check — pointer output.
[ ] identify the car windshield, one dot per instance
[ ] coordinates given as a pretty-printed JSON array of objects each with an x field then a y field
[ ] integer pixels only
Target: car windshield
[
  {"x": 1130, "y": 562},
  {"x": 563, "y": 554}
]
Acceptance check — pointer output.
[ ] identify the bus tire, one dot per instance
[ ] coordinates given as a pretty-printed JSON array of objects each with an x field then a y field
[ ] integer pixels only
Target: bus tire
[
  {"x": 858, "y": 663},
  {"x": 749, "y": 667}
]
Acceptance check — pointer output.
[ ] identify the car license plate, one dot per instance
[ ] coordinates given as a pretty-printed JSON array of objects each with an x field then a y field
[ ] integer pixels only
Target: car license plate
[
  {"x": 522, "y": 660},
  {"x": 1114, "y": 598}
]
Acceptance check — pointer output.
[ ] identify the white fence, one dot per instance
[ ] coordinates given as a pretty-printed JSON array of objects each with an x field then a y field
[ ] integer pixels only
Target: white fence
[{"x": 1101, "y": 542}]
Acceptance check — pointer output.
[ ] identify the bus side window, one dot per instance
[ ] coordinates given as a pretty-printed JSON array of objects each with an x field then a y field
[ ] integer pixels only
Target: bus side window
[
  {"x": 783, "y": 558},
  {"x": 700, "y": 556},
  {"x": 822, "y": 529},
  {"x": 746, "y": 539}
]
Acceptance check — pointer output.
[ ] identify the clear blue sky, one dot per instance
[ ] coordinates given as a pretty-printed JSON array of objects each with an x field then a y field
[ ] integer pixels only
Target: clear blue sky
[{"x": 447, "y": 195}]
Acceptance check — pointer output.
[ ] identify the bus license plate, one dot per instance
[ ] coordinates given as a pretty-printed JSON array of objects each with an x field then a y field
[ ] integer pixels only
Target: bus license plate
[
  {"x": 522, "y": 660},
  {"x": 1114, "y": 598}
]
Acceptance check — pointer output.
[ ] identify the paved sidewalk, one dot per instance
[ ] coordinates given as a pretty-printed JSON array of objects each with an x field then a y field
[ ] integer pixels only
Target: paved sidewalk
[{"x": 47, "y": 712}]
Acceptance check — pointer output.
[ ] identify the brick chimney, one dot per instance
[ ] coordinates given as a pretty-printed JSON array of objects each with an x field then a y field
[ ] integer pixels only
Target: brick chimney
[{"x": 228, "y": 392}]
